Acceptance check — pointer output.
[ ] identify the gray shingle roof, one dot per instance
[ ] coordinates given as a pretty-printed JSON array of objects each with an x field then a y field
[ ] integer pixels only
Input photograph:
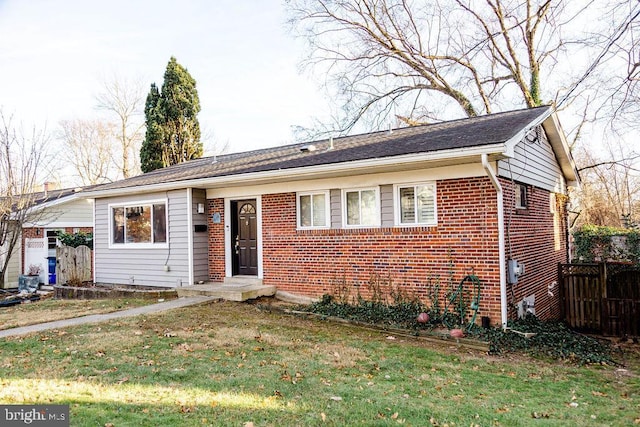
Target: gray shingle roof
[
  {"x": 42, "y": 197},
  {"x": 456, "y": 134}
]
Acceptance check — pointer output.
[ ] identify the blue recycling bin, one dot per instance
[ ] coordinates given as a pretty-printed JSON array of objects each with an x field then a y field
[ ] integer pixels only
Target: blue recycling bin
[{"x": 52, "y": 270}]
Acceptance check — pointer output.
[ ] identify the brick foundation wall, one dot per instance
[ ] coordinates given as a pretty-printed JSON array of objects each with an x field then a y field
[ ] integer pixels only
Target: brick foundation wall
[{"x": 538, "y": 238}]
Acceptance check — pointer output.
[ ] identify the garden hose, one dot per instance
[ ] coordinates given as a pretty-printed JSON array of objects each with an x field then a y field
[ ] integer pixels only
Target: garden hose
[{"x": 457, "y": 296}]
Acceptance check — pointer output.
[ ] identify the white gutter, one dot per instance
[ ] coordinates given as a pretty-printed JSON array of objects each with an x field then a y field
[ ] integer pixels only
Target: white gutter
[{"x": 501, "y": 247}]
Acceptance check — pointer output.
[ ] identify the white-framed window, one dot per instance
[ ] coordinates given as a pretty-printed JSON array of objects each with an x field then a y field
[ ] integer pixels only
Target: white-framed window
[
  {"x": 361, "y": 207},
  {"x": 521, "y": 196},
  {"x": 415, "y": 204},
  {"x": 139, "y": 224},
  {"x": 313, "y": 210}
]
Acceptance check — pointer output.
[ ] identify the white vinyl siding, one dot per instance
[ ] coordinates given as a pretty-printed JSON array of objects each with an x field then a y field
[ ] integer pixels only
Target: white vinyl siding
[
  {"x": 313, "y": 210},
  {"x": 13, "y": 268},
  {"x": 79, "y": 212},
  {"x": 415, "y": 204},
  {"x": 336, "y": 208},
  {"x": 386, "y": 205},
  {"x": 129, "y": 264},
  {"x": 534, "y": 163},
  {"x": 73, "y": 213},
  {"x": 200, "y": 238}
]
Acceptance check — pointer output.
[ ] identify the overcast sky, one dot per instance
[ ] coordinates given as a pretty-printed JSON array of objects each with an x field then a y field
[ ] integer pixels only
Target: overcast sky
[{"x": 55, "y": 54}]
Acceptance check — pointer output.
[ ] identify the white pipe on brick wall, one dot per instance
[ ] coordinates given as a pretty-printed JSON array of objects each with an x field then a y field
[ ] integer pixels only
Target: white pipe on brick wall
[{"x": 501, "y": 247}]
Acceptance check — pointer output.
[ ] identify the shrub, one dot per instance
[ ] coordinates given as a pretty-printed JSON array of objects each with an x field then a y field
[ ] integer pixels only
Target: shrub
[
  {"x": 597, "y": 243},
  {"x": 76, "y": 239},
  {"x": 552, "y": 339}
]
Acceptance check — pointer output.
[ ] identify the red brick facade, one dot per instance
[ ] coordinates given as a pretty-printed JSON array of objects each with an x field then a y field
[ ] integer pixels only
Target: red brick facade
[
  {"x": 465, "y": 241},
  {"x": 536, "y": 236},
  {"x": 216, "y": 241}
]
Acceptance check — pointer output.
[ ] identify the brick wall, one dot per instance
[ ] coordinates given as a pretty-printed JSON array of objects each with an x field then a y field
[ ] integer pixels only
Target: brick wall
[
  {"x": 465, "y": 241},
  {"x": 216, "y": 240},
  {"x": 537, "y": 237}
]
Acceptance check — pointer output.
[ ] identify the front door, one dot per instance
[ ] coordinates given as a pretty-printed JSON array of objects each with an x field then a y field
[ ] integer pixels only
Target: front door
[{"x": 245, "y": 238}]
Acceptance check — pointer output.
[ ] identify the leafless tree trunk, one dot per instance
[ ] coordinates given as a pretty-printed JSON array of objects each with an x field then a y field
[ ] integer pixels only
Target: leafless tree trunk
[
  {"x": 90, "y": 148},
  {"x": 125, "y": 99},
  {"x": 23, "y": 161}
]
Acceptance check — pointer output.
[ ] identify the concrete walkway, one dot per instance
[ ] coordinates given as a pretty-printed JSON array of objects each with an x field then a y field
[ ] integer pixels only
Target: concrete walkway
[{"x": 96, "y": 318}]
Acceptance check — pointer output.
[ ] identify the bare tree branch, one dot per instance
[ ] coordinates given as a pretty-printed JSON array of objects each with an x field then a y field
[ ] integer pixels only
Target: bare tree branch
[
  {"x": 125, "y": 99},
  {"x": 22, "y": 160}
]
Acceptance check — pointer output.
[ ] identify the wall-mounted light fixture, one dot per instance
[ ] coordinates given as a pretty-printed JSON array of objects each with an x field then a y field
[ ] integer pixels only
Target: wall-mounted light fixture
[{"x": 200, "y": 208}]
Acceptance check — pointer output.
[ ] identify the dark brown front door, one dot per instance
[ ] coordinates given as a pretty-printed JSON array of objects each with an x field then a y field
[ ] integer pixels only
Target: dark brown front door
[{"x": 245, "y": 238}]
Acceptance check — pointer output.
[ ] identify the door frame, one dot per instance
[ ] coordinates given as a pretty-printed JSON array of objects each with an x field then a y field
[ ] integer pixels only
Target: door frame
[{"x": 228, "y": 217}]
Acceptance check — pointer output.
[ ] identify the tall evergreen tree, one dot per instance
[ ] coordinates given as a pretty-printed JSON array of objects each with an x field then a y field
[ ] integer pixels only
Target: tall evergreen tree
[
  {"x": 151, "y": 149},
  {"x": 173, "y": 131}
]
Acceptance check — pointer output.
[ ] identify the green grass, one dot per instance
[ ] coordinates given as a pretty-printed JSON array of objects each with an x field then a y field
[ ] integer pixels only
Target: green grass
[
  {"x": 58, "y": 309},
  {"x": 230, "y": 364}
]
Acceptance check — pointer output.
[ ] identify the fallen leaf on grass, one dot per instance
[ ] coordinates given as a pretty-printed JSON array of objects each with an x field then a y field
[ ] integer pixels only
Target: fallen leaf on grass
[
  {"x": 323, "y": 416},
  {"x": 336, "y": 398},
  {"x": 539, "y": 415},
  {"x": 598, "y": 393},
  {"x": 186, "y": 347}
]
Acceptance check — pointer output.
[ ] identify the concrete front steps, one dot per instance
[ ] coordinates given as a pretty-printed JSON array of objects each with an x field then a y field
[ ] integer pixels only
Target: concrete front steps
[{"x": 237, "y": 288}]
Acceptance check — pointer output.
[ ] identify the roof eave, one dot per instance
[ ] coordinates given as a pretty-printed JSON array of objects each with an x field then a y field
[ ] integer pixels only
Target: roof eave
[
  {"x": 519, "y": 136},
  {"x": 561, "y": 149},
  {"x": 459, "y": 155}
]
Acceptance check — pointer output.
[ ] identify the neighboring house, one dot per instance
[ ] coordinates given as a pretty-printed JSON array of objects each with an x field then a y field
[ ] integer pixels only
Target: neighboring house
[
  {"x": 53, "y": 211},
  {"x": 416, "y": 204}
]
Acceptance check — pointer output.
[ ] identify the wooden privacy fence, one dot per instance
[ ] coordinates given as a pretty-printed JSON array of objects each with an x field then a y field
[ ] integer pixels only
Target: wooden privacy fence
[
  {"x": 73, "y": 265},
  {"x": 602, "y": 298}
]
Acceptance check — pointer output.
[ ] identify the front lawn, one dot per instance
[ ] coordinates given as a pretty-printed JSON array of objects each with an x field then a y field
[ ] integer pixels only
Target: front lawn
[
  {"x": 49, "y": 310},
  {"x": 231, "y": 364}
]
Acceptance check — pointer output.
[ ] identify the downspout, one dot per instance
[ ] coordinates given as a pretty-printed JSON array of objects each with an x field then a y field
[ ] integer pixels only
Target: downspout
[{"x": 501, "y": 247}]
